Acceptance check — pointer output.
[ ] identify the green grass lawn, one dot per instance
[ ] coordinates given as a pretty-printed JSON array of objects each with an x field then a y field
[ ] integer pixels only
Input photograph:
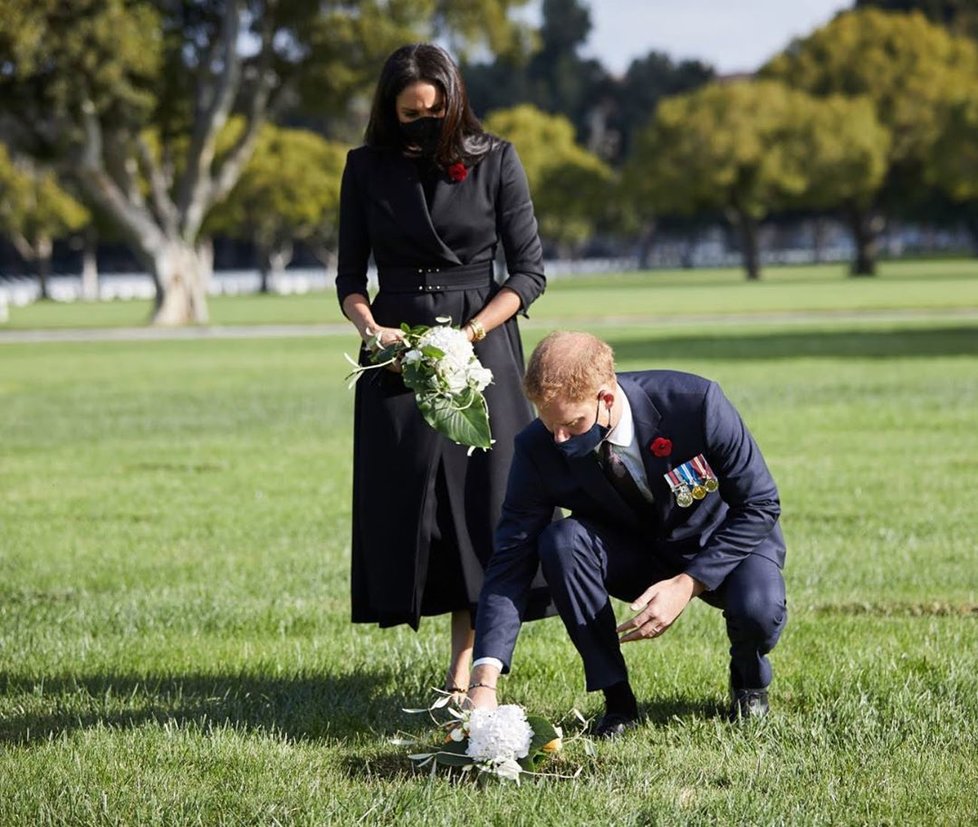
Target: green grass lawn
[
  {"x": 902, "y": 285},
  {"x": 174, "y": 638}
]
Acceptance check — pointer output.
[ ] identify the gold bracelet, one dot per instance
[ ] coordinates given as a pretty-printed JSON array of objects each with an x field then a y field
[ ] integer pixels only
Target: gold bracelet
[{"x": 478, "y": 331}]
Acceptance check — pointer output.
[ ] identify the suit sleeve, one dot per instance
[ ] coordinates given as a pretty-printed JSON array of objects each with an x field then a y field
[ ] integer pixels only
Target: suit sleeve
[
  {"x": 354, "y": 235},
  {"x": 746, "y": 485},
  {"x": 526, "y": 513},
  {"x": 517, "y": 228}
]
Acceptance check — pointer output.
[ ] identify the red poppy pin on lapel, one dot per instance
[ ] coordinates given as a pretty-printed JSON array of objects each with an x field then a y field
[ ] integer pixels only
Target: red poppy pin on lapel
[
  {"x": 458, "y": 172},
  {"x": 660, "y": 447}
]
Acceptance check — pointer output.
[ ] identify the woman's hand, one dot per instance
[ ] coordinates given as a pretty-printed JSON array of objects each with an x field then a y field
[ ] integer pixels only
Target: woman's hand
[
  {"x": 381, "y": 337},
  {"x": 377, "y": 338},
  {"x": 482, "y": 688}
]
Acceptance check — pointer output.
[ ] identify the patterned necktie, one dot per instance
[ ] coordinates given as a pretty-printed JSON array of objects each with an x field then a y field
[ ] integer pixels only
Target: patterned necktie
[{"x": 620, "y": 478}]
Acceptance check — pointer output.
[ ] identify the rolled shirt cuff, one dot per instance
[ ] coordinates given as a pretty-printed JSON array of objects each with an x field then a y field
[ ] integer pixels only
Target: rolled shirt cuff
[{"x": 488, "y": 662}]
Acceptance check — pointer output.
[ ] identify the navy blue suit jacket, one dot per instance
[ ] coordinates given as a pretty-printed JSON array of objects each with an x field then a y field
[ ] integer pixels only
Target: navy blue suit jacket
[{"x": 706, "y": 540}]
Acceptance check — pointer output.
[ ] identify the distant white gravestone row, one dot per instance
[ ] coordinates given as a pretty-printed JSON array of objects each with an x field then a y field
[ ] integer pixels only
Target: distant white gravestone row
[{"x": 22, "y": 290}]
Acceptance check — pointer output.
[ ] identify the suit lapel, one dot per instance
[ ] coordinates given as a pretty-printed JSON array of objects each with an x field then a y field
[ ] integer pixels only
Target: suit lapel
[
  {"x": 646, "y": 418},
  {"x": 411, "y": 208}
]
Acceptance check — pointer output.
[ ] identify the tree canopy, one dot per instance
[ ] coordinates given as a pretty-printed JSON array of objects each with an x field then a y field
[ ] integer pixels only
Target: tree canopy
[
  {"x": 289, "y": 191},
  {"x": 129, "y": 97},
  {"x": 749, "y": 147},
  {"x": 960, "y": 16},
  {"x": 35, "y": 211},
  {"x": 571, "y": 187},
  {"x": 909, "y": 67}
]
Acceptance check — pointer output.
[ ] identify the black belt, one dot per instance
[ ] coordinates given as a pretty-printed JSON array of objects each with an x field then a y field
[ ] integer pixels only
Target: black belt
[{"x": 435, "y": 279}]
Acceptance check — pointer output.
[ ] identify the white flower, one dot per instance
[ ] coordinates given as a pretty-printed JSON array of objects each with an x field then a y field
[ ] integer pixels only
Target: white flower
[
  {"x": 455, "y": 378},
  {"x": 508, "y": 769},
  {"x": 448, "y": 384},
  {"x": 451, "y": 341},
  {"x": 499, "y": 734},
  {"x": 480, "y": 377}
]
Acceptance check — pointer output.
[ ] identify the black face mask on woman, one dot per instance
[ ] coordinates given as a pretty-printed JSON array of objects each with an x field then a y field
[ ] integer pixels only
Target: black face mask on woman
[{"x": 423, "y": 133}]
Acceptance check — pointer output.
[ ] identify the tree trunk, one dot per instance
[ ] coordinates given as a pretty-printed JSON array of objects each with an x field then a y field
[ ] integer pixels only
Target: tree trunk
[
  {"x": 272, "y": 261},
  {"x": 647, "y": 244},
  {"x": 865, "y": 234},
  {"x": 180, "y": 271},
  {"x": 747, "y": 228},
  {"x": 971, "y": 225},
  {"x": 89, "y": 276},
  {"x": 324, "y": 255},
  {"x": 42, "y": 264},
  {"x": 818, "y": 239},
  {"x": 689, "y": 247}
]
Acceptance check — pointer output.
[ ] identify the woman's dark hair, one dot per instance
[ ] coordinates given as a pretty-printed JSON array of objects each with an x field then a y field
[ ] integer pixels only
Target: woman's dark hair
[{"x": 462, "y": 137}]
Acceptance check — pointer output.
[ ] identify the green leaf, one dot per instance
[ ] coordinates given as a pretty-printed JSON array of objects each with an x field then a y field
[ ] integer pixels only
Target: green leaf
[
  {"x": 432, "y": 352},
  {"x": 466, "y": 426},
  {"x": 543, "y": 733}
]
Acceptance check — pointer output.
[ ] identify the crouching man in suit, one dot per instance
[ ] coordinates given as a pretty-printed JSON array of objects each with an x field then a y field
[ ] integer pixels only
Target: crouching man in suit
[{"x": 670, "y": 499}]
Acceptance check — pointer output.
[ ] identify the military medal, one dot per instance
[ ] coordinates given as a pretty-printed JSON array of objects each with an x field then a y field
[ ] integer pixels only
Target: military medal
[
  {"x": 706, "y": 473},
  {"x": 692, "y": 481},
  {"x": 684, "y": 497}
]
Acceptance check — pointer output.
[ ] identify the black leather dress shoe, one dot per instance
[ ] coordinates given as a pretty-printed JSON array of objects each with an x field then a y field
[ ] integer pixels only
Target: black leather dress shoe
[
  {"x": 613, "y": 724},
  {"x": 748, "y": 704}
]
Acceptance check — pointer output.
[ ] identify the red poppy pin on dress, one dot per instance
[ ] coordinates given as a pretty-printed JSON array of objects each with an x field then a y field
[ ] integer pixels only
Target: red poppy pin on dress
[
  {"x": 660, "y": 446},
  {"x": 458, "y": 172}
]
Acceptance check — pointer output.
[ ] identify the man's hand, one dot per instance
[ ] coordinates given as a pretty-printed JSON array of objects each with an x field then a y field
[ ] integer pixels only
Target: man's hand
[
  {"x": 659, "y": 606},
  {"x": 482, "y": 688}
]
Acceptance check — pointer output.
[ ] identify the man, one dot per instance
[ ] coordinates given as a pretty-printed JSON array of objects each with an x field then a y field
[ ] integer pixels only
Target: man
[{"x": 670, "y": 499}]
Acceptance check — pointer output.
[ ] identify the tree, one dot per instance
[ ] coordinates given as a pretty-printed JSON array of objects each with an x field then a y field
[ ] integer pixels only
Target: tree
[
  {"x": 847, "y": 151},
  {"x": 554, "y": 78},
  {"x": 648, "y": 80},
  {"x": 289, "y": 191},
  {"x": 908, "y": 67},
  {"x": 749, "y": 147},
  {"x": 953, "y": 164},
  {"x": 34, "y": 211},
  {"x": 570, "y": 186},
  {"x": 960, "y": 16},
  {"x": 129, "y": 98}
]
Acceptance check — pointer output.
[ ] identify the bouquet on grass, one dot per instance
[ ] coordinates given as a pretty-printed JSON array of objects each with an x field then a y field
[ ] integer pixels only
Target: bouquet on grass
[
  {"x": 440, "y": 366},
  {"x": 505, "y": 741}
]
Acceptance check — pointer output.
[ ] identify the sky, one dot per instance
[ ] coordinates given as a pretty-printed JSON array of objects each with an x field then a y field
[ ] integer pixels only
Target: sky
[{"x": 732, "y": 35}]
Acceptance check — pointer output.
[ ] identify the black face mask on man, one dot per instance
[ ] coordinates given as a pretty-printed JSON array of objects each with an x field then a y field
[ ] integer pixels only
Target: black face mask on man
[
  {"x": 581, "y": 445},
  {"x": 424, "y": 133}
]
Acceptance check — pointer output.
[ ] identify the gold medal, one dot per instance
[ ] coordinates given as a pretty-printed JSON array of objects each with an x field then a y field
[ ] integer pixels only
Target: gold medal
[
  {"x": 710, "y": 484},
  {"x": 698, "y": 492}
]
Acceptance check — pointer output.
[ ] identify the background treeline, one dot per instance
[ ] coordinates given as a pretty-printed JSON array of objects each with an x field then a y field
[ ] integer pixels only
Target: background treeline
[{"x": 160, "y": 126}]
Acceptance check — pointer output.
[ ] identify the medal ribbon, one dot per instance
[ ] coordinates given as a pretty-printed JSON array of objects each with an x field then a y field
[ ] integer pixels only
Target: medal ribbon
[
  {"x": 689, "y": 477},
  {"x": 703, "y": 467}
]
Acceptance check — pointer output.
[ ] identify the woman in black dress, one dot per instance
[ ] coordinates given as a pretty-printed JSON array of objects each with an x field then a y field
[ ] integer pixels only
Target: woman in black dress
[{"x": 431, "y": 196}]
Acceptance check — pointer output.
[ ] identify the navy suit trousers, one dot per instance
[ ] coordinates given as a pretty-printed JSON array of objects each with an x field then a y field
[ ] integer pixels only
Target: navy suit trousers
[{"x": 584, "y": 563}]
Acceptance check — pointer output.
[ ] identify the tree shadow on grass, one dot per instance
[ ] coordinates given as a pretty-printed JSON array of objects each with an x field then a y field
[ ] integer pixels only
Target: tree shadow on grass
[
  {"x": 302, "y": 708},
  {"x": 897, "y": 343}
]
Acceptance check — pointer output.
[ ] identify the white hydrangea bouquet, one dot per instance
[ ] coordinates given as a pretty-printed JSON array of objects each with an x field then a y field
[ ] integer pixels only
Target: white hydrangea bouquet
[
  {"x": 504, "y": 742},
  {"x": 439, "y": 364}
]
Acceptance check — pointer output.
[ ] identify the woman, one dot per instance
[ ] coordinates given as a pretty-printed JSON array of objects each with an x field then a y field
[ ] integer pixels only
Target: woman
[{"x": 431, "y": 196}]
